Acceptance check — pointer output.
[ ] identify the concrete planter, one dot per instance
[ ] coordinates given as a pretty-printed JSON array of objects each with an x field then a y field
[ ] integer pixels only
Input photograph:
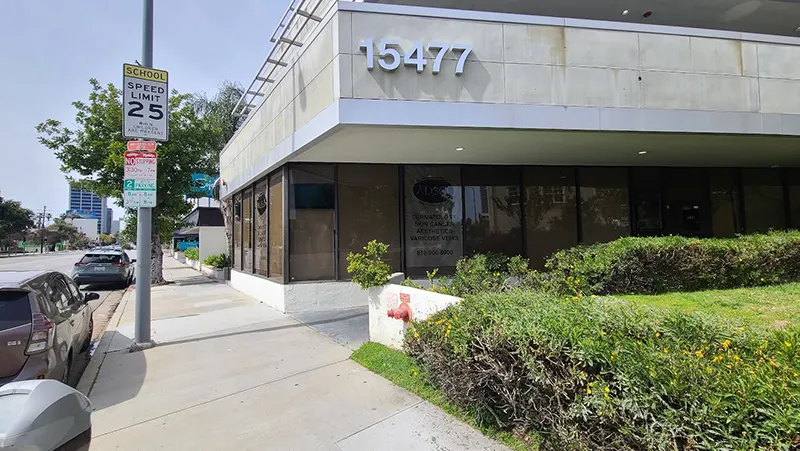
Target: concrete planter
[
  {"x": 179, "y": 256},
  {"x": 193, "y": 263},
  {"x": 216, "y": 273},
  {"x": 389, "y": 331}
]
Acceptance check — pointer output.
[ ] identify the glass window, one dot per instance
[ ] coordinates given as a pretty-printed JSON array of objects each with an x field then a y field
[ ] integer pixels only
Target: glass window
[
  {"x": 604, "y": 204},
  {"x": 646, "y": 193},
  {"x": 312, "y": 198},
  {"x": 260, "y": 219},
  {"x": 492, "y": 210},
  {"x": 686, "y": 202},
  {"x": 551, "y": 220},
  {"x": 793, "y": 182},
  {"x": 369, "y": 209},
  {"x": 763, "y": 200},
  {"x": 276, "y": 225},
  {"x": 237, "y": 231},
  {"x": 433, "y": 203},
  {"x": 247, "y": 231},
  {"x": 725, "y": 213}
]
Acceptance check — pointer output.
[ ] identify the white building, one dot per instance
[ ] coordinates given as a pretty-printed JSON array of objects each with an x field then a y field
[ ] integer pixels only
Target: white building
[
  {"x": 85, "y": 226},
  {"x": 514, "y": 127}
]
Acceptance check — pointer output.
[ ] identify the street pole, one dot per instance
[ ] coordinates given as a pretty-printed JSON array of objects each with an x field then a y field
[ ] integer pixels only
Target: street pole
[
  {"x": 41, "y": 241},
  {"x": 145, "y": 215}
]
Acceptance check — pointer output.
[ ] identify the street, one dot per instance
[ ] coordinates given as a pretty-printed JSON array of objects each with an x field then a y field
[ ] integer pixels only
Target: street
[{"x": 102, "y": 308}]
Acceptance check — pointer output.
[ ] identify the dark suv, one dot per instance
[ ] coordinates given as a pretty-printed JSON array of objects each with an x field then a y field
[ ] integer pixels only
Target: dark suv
[{"x": 44, "y": 323}]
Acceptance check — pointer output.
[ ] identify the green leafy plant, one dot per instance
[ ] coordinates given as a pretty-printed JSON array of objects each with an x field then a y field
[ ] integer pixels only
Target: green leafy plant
[
  {"x": 411, "y": 283},
  {"x": 666, "y": 264},
  {"x": 603, "y": 374},
  {"x": 192, "y": 253},
  {"x": 369, "y": 269},
  {"x": 217, "y": 261}
]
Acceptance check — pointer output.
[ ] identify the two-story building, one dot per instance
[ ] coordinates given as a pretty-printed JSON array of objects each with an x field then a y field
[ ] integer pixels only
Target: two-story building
[{"x": 446, "y": 128}]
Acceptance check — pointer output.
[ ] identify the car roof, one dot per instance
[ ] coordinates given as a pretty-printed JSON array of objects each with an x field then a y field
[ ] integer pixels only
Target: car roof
[
  {"x": 104, "y": 251},
  {"x": 15, "y": 279}
]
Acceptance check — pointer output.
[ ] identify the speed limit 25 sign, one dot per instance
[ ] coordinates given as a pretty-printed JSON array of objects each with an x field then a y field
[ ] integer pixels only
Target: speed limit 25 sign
[{"x": 145, "y": 103}]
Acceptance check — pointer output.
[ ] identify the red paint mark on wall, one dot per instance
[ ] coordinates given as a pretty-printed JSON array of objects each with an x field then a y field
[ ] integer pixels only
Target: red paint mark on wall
[{"x": 405, "y": 297}]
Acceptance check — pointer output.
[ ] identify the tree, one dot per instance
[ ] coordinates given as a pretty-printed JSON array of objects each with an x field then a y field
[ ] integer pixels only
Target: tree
[
  {"x": 94, "y": 151},
  {"x": 14, "y": 221},
  {"x": 105, "y": 239}
]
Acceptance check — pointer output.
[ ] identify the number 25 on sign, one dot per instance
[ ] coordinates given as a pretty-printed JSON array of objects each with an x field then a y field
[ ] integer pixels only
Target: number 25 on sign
[{"x": 389, "y": 57}]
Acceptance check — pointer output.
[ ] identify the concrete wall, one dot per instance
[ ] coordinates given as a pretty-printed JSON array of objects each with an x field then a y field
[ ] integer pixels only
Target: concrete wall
[
  {"x": 515, "y": 63},
  {"x": 390, "y": 331},
  {"x": 212, "y": 241},
  {"x": 302, "y": 90},
  {"x": 300, "y": 297}
]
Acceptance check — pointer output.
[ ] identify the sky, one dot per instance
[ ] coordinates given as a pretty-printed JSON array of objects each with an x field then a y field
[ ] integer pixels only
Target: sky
[{"x": 49, "y": 49}]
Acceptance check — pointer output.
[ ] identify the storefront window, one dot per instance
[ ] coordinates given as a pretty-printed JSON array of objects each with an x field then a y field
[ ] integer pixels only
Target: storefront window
[
  {"x": 793, "y": 182},
  {"x": 763, "y": 200},
  {"x": 247, "y": 231},
  {"x": 725, "y": 212},
  {"x": 237, "y": 231},
  {"x": 433, "y": 212},
  {"x": 492, "y": 210},
  {"x": 686, "y": 202},
  {"x": 311, "y": 222},
  {"x": 604, "y": 204},
  {"x": 275, "y": 216},
  {"x": 551, "y": 220},
  {"x": 260, "y": 218},
  {"x": 369, "y": 209}
]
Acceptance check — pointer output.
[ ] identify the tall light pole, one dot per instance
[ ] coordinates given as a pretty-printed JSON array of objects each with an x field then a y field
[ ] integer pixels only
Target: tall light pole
[
  {"x": 144, "y": 215},
  {"x": 42, "y": 223}
]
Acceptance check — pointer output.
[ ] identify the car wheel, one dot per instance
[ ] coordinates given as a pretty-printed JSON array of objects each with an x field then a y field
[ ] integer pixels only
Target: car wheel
[
  {"x": 67, "y": 369},
  {"x": 88, "y": 341}
]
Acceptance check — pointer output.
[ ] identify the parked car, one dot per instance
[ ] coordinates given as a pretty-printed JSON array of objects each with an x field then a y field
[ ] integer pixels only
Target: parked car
[
  {"x": 104, "y": 266},
  {"x": 45, "y": 323}
]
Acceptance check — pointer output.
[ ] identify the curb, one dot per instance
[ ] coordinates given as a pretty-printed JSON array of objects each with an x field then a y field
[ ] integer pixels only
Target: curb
[{"x": 89, "y": 376}]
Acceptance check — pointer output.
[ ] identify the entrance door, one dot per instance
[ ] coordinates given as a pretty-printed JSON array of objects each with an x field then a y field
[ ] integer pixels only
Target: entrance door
[
  {"x": 687, "y": 205},
  {"x": 646, "y": 197}
]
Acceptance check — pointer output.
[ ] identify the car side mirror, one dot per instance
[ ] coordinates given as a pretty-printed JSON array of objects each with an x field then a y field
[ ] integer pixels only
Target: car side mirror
[
  {"x": 133, "y": 260},
  {"x": 90, "y": 297}
]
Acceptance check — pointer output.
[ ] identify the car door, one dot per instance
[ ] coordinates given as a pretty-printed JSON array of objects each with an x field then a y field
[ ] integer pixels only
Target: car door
[
  {"x": 57, "y": 312},
  {"x": 83, "y": 307},
  {"x": 128, "y": 265},
  {"x": 77, "y": 310},
  {"x": 60, "y": 293}
]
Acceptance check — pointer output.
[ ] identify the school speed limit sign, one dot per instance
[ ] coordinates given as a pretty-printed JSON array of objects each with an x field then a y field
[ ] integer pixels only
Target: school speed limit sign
[{"x": 145, "y": 103}]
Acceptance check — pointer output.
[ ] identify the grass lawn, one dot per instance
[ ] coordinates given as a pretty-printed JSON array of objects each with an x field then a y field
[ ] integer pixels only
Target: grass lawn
[
  {"x": 774, "y": 306},
  {"x": 403, "y": 371}
]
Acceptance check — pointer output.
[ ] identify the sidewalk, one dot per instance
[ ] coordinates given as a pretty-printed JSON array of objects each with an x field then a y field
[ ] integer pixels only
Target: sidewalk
[{"x": 229, "y": 373}]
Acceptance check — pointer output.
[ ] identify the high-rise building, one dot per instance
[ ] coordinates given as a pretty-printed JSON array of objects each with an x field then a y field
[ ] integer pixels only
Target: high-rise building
[
  {"x": 107, "y": 221},
  {"x": 90, "y": 206}
]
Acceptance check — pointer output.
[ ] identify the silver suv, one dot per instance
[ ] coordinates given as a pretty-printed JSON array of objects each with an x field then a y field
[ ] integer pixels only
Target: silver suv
[{"x": 105, "y": 266}]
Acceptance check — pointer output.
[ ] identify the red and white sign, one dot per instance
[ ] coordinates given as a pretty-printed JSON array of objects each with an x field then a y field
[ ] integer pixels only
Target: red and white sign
[
  {"x": 140, "y": 165},
  {"x": 142, "y": 145}
]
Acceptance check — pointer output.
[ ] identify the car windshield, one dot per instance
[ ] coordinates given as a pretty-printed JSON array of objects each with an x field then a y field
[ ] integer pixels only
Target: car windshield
[
  {"x": 101, "y": 258},
  {"x": 15, "y": 310}
]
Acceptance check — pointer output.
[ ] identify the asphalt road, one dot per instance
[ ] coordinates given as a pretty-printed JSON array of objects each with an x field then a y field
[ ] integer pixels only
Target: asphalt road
[{"x": 102, "y": 308}]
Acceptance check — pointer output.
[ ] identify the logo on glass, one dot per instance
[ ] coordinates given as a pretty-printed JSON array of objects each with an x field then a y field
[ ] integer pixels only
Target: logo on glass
[{"x": 433, "y": 191}]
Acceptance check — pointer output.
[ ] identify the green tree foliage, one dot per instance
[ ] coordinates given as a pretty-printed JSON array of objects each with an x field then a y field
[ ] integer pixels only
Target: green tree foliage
[
  {"x": 105, "y": 239},
  {"x": 14, "y": 221},
  {"x": 94, "y": 150},
  {"x": 370, "y": 269}
]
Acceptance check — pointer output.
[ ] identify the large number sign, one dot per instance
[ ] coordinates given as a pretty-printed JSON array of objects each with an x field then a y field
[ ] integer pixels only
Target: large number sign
[
  {"x": 145, "y": 103},
  {"x": 433, "y": 216},
  {"x": 389, "y": 57}
]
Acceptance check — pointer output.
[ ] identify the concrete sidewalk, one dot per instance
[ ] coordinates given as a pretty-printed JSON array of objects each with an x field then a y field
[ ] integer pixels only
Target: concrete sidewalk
[{"x": 229, "y": 373}]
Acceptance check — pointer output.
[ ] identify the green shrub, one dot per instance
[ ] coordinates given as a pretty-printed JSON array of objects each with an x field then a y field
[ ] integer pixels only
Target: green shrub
[
  {"x": 369, "y": 269},
  {"x": 217, "y": 261},
  {"x": 664, "y": 264},
  {"x": 598, "y": 374},
  {"x": 192, "y": 253}
]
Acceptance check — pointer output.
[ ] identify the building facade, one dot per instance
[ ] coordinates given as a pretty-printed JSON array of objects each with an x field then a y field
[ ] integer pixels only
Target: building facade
[
  {"x": 90, "y": 206},
  {"x": 520, "y": 129}
]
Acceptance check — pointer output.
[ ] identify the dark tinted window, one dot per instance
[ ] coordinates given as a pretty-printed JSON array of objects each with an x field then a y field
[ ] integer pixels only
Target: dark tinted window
[
  {"x": 763, "y": 200},
  {"x": 15, "y": 309},
  {"x": 64, "y": 292},
  {"x": 492, "y": 210},
  {"x": 311, "y": 222},
  {"x": 101, "y": 258},
  {"x": 550, "y": 212},
  {"x": 604, "y": 204},
  {"x": 76, "y": 293}
]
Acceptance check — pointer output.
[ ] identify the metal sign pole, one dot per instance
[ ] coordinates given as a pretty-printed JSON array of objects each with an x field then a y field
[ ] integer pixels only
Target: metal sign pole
[{"x": 145, "y": 214}]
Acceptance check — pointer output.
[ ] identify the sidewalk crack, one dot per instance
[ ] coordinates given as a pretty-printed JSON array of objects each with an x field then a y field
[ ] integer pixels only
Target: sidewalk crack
[{"x": 379, "y": 421}]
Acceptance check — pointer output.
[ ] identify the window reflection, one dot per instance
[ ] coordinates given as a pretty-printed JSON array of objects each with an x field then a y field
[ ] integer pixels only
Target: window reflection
[
  {"x": 260, "y": 218},
  {"x": 492, "y": 210},
  {"x": 604, "y": 204},
  {"x": 725, "y": 220},
  {"x": 311, "y": 222},
  {"x": 550, "y": 212},
  {"x": 276, "y": 225},
  {"x": 763, "y": 200},
  {"x": 237, "y": 231},
  {"x": 247, "y": 231}
]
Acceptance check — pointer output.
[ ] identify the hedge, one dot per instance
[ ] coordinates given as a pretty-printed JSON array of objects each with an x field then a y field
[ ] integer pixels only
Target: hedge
[
  {"x": 599, "y": 374},
  {"x": 192, "y": 253},
  {"x": 664, "y": 264}
]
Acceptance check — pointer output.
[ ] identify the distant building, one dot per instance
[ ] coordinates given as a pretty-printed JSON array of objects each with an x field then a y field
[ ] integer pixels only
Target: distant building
[
  {"x": 114, "y": 227},
  {"x": 86, "y": 226},
  {"x": 89, "y": 206},
  {"x": 108, "y": 220}
]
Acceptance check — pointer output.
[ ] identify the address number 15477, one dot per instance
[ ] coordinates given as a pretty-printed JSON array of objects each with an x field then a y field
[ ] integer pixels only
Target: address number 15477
[{"x": 389, "y": 57}]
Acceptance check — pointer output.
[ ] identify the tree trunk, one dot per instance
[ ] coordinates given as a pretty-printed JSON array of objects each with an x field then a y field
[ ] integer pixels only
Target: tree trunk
[{"x": 156, "y": 259}]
